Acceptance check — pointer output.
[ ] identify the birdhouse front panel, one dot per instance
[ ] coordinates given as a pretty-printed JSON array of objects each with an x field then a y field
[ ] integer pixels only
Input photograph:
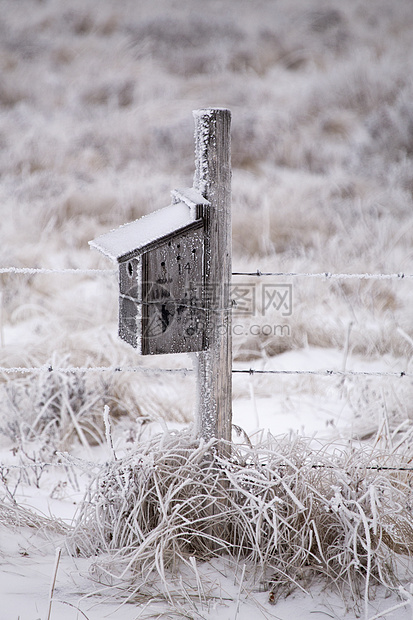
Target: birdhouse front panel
[
  {"x": 130, "y": 300},
  {"x": 173, "y": 315}
]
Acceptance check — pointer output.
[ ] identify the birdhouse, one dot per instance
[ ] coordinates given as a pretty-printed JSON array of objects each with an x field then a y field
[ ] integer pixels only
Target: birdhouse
[{"x": 161, "y": 276}]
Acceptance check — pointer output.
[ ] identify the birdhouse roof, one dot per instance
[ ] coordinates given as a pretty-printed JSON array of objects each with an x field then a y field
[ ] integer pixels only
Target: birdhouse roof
[
  {"x": 135, "y": 236},
  {"x": 144, "y": 231}
]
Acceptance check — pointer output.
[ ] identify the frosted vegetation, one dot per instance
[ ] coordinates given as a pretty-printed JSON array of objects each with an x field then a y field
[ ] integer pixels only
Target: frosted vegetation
[{"x": 96, "y": 129}]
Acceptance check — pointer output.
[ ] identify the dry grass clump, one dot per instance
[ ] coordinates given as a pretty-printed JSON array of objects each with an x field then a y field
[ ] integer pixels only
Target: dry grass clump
[
  {"x": 17, "y": 516},
  {"x": 61, "y": 405},
  {"x": 58, "y": 408},
  {"x": 286, "y": 509}
]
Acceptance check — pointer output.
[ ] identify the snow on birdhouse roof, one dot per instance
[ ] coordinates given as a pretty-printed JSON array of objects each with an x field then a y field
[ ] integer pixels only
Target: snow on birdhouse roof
[
  {"x": 190, "y": 196},
  {"x": 140, "y": 233}
]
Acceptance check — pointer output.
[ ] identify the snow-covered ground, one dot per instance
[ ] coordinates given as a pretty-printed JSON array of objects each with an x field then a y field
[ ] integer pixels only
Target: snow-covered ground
[{"x": 96, "y": 129}]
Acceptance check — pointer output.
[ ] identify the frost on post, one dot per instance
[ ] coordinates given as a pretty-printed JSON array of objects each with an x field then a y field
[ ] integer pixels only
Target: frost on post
[{"x": 204, "y": 121}]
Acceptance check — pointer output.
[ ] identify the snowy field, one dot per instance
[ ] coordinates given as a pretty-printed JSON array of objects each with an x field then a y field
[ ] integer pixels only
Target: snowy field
[{"x": 96, "y": 129}]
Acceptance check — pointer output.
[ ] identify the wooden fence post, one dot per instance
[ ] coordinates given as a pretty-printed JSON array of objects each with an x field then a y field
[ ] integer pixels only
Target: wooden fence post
[{"x": 213, "y": 180}]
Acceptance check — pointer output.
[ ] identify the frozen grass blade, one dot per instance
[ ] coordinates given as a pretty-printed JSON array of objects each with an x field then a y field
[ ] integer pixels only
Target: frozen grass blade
[
  {"x": 239, "y": 592},
  {"x": 108, "y": 431},
  {"x": 53, "y": 584}
]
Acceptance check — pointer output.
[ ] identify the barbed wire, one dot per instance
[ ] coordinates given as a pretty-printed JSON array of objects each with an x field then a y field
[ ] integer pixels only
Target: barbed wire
[
  {"x": 93, "y": 465},
  {"x": 257, "y": 273},
  {"x": 47, "y": 368},
  {"x": 324, "y": 373},
  {"x": 325, "y": 275},
  {"x": 40, "y": 464},
  {"x": 43, "y": 270}
]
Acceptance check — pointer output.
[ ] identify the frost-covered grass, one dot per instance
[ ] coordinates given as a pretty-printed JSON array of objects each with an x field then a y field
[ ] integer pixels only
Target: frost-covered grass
[
  {"x": 168, "y": 520},
  {"x": 96, "y": 129},
  {"x": 287, "y": 509}
]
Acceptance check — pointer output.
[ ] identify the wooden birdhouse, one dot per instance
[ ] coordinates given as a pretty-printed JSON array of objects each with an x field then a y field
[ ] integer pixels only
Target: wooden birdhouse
[
  {"x": 175, "y": 275},
  {"x": 161, "y": 276}
]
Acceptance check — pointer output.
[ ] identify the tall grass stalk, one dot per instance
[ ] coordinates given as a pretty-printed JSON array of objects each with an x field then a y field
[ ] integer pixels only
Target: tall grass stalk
[{"x": 53, "y": 584}]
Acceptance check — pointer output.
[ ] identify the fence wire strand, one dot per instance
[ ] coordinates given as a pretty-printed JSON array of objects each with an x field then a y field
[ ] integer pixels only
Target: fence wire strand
[
  {"x": 326, "y": 275},
  {"x": 324, "y": 373},
  {"x": 43, "y": 270},
  {"x": 172, "y": 371},
  {"x": 80, "y": 465},
  {"x": 258, "y": 273},
  {"x": 92, "y": 369}
]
